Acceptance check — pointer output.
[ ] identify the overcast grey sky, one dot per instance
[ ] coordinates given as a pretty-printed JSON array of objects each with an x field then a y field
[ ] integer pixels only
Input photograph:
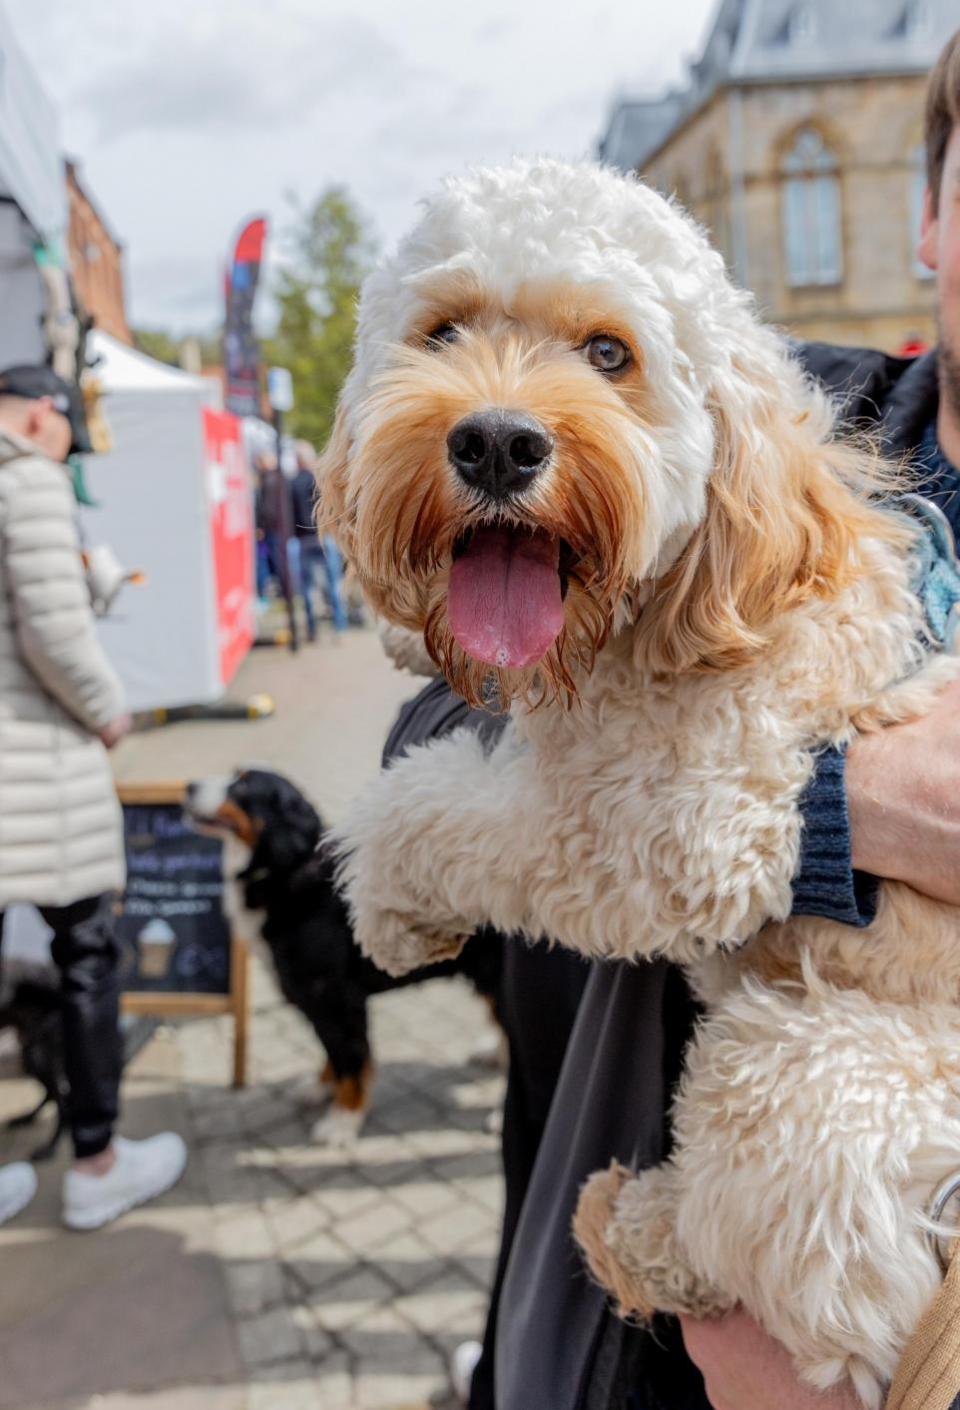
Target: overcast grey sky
[{"x": 188, "y": 116}]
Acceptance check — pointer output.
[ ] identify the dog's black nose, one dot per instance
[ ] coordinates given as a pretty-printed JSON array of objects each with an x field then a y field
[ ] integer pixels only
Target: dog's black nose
[{"x": 499, "y": 452}]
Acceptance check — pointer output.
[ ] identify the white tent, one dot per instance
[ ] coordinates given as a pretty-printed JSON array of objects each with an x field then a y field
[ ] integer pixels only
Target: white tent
[
  {"x": 33, "y": 199},
  {"x": 173, "y": 501}
]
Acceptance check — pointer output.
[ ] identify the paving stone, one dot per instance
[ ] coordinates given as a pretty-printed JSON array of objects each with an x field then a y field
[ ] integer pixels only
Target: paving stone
[
  {"x": 444, "y": 1304},
  {"x": 461, "y": 1225},
  {"x": 351, "y": 1299},
  {"x": 335, "y": 1382},
  {"x": 268, "y": 1337},
  {"x": 390, "y": 1392},
  {"x": 292, "y": 1386},
  {"x": 426, "y": 1197},
  {"x": 295, "y": 1221},
  {"x": 408, "y": 1262},
  {"x": 319, "y": 1261},
  {"x": 317, "y": 1342},
  {"x": 373, "y": 1226},
  {"x": 244, "y": 1236},
  {"x": 347, "y": 1198},
  {"x": 252, "y": 1287}
]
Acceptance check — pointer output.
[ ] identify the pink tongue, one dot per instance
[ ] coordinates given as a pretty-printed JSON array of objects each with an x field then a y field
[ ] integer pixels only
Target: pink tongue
[{"x": 504, "y": 600}]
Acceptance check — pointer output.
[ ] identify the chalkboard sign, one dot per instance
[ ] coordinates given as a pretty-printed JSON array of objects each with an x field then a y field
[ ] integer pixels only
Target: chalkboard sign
[
  {"x": 179, "y": 955},
  {"x": 175, "y": 935}
]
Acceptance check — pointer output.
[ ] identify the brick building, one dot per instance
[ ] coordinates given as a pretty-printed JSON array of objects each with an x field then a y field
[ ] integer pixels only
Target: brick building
[
  {"x": 799, "y": 144},
  {"x": 96, "y": 261}
]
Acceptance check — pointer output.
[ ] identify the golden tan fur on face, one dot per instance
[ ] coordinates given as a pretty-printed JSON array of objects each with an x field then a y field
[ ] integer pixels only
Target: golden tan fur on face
[
  {"x": 779, "y": 525},
  {"x": 398, "y": 507}
]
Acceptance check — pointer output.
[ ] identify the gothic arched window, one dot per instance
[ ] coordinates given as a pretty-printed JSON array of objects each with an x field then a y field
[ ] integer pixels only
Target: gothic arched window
[{"x": 813, "y": 246}]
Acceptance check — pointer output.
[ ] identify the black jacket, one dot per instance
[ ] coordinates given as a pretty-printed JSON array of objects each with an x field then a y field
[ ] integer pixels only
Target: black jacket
[{"x": 303, "y": 495}]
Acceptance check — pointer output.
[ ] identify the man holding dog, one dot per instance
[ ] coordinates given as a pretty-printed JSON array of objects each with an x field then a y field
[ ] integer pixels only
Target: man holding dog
[
  {"x": 889, "y": 808},
  {"x": 61, "y": 837}
]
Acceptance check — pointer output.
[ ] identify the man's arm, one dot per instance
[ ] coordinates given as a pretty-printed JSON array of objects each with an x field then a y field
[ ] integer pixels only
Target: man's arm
[
  {"x": 889, "y": 807},
  {"x": 903, "y": 800},
  {"x": 51, "y": 604}
]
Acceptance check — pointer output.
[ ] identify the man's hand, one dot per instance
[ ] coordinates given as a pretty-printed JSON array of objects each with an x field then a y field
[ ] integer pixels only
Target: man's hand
[
  {"x": 744, "y": 1369},
  {"x": 903, "y": 795},
  {"x": 112, "y": 733}
]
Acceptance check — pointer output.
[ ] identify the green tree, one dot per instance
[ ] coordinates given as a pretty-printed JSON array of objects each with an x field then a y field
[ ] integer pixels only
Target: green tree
[
  {"x": 330, "y": 251},
  {"x": 158, "y": 343},
  {"x": 155, "y": 342}
]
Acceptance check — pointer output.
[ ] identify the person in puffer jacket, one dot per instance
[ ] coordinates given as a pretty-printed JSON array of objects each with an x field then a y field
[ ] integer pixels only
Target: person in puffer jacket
[{"x": 61, "y": 832}]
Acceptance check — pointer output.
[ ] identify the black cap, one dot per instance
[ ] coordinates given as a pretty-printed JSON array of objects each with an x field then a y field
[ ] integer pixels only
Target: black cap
[{"x": 36, "y": 382}]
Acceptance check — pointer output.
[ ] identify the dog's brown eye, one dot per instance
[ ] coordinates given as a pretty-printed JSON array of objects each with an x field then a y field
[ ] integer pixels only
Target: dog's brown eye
[
  {"x": 443, "y": 333},
  {"x": 606, "y": 353}
]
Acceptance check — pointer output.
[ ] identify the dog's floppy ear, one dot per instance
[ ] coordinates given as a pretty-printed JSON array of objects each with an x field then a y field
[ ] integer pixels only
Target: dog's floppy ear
[
  {"x": 786, "y": 508},
  {"x": 289, "y": 837},
  {"x": 335, "y": 515},
  {"x": 405, "y": 603}
]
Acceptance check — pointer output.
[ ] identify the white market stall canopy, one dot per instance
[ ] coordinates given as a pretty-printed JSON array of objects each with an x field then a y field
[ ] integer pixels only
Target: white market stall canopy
[
  {"x": 31, "y": 166},
  {"x": 173, "y": 500}
]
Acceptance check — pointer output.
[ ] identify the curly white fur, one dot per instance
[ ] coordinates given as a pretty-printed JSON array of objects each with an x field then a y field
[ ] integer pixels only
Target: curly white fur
[{"x": 659, "y": 813}]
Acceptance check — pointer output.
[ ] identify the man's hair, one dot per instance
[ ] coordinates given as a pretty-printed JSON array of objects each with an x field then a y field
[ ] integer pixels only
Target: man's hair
[{"x": 942, "y": 112}]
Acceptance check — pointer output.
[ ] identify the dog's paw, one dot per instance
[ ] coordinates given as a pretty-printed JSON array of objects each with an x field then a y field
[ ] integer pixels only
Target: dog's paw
[
  {"x": 338, "y": 1127},
  {"x": 399, "y": 944},
  {"x": 592, "y": 1224}
]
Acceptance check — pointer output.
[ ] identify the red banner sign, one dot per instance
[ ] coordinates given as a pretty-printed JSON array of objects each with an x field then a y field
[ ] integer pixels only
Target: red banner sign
[{"x": 230, "y": 499}]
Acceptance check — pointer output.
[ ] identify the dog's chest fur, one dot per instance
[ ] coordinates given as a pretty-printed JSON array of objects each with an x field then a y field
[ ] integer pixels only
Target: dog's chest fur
[{"x": 656, "y": 784}]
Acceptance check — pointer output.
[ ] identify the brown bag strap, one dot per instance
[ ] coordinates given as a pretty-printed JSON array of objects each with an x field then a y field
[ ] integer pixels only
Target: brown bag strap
[{"x": 928, "y": 1376}]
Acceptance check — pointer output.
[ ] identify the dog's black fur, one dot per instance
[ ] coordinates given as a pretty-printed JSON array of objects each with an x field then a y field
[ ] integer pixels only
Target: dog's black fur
[
  {"x": 290, "y": 877},
  {"x": 31, "y": 1007}
]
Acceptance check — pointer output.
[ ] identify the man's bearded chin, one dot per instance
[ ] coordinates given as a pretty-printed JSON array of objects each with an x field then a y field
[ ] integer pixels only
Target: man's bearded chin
[{"x": 948, "y": 359}]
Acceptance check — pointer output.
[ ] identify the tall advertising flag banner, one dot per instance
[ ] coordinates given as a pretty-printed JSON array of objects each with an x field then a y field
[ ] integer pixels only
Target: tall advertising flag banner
[
  {"x": 230, "y": 504},
  {"x": 241, "y": 354}
]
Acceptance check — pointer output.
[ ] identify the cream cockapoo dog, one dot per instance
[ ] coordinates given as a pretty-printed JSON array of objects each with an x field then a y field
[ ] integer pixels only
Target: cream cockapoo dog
[{"x": 570, "y": 456}]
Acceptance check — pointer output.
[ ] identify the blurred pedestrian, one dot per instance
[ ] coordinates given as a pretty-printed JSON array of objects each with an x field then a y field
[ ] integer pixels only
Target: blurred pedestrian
[
  {"x": 314, "y": 553},
  {"x": 273, "y": 514},
  {"x": 61, "y": 845}
]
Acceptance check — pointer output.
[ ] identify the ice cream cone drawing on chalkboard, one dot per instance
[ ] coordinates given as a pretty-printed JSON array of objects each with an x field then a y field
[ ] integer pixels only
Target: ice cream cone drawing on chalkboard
[{"x": 155, "y": 943}]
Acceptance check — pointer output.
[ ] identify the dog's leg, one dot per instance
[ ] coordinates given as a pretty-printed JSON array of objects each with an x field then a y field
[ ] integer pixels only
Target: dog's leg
[
  {"x": 437, "y": 847},
  {"x": 341, "y": 1123},
  {"x": 626, "y": 1227}
]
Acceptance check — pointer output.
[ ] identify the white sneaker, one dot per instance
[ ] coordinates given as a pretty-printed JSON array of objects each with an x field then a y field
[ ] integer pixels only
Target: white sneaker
[
  {"x": 463, "y": 1363},
  {"x": 18, "y": 1185},
  {"x": 141, "y": 1171}
]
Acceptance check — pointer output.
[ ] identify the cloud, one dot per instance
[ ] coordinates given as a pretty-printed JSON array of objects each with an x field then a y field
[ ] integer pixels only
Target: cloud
[
  {"x": 208, "y": 75},
  {"x": 175, "y": 291}
]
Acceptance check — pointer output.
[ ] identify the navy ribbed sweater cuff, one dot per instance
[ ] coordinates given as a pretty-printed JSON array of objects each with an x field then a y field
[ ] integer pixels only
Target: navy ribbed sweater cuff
[{"x": 826, "y": 883}]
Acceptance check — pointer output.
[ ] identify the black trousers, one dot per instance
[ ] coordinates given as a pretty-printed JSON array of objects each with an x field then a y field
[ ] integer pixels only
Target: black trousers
[
  {"x": 86, "y": 951},
  {"x": 540, "y": 993}
]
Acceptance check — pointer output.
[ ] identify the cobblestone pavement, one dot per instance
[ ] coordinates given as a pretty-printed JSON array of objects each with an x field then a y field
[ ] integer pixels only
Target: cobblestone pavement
[
  {"x": 280, "y": 1275},
  {"x": 351, "y": 1275}
]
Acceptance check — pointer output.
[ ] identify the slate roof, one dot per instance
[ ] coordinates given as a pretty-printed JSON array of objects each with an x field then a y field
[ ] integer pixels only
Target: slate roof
[{"x": 754, "y": 41}]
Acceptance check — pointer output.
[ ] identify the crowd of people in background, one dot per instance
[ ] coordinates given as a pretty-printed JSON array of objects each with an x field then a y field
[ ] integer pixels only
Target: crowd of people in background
[{"x": 292, "y": 558}]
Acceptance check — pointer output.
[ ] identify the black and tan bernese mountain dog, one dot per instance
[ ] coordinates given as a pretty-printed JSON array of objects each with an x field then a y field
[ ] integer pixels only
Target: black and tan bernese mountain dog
[{"x": 274, "y": 841}]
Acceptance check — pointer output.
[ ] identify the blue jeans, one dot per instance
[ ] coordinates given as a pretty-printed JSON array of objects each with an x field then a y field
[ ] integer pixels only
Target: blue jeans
[{"x": 326, "y": 556}]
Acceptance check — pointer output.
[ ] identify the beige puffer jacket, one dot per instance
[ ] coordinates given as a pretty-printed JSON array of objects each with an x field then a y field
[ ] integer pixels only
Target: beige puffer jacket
[{"x": 61, "y": 836}]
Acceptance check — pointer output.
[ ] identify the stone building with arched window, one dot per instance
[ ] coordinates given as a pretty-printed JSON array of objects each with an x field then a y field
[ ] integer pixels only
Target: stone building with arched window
[{"x": 799, "y": 144}]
